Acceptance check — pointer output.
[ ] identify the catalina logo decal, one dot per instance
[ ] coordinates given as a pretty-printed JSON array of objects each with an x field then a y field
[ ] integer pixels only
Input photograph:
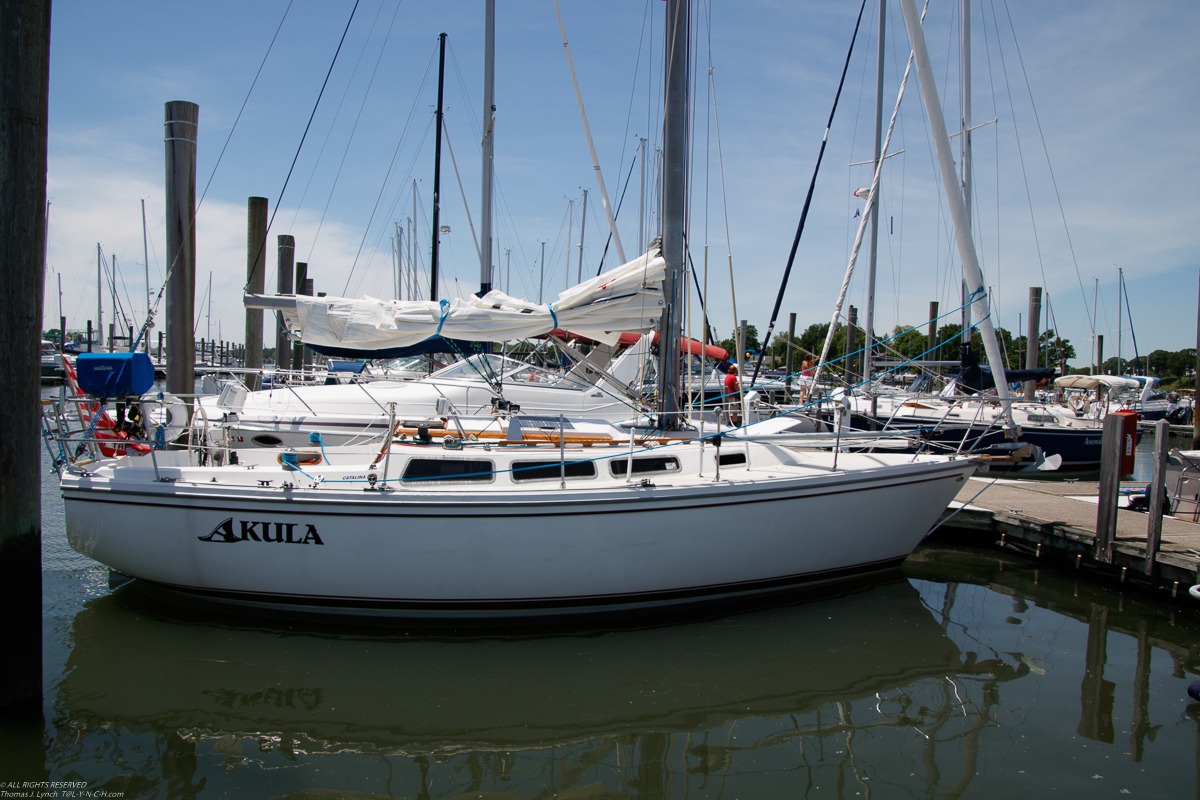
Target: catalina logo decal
[{"x": 263, "y": 532}]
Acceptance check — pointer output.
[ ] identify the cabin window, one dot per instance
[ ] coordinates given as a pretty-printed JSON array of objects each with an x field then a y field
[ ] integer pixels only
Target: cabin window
[
  {"x": 642, "y": 466},
  {"x": 731, "y": 459},
  {"x": 267, "y": 440},
  {"x": 551, "y": 470},
  {"x": 453, "y": 470}
]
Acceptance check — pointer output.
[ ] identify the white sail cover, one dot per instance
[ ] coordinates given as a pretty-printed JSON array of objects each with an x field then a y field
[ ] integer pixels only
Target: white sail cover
[{"x": 628, "y": 298}]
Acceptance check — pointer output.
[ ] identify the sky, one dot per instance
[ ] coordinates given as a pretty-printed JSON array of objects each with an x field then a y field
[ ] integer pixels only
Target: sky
[{"x": 1084, "y": 170}]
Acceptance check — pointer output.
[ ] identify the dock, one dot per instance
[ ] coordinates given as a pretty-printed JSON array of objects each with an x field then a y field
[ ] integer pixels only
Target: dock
[{"x": 1056, "y": 522}]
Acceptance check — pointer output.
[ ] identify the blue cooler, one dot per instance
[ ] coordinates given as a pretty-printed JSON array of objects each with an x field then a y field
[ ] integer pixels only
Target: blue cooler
[{"x": 114, "y": 374}]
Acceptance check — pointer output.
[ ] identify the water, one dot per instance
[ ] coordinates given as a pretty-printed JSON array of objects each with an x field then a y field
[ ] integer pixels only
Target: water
[{"x": 973, "y": 674}]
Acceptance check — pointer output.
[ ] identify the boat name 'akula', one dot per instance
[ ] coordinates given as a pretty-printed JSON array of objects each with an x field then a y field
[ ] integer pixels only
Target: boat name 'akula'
[{"x": 262, "y": 532}]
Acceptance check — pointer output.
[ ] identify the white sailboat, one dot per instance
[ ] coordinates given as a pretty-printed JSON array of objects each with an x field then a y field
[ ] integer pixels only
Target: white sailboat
[{"x": 501, "y": 520}]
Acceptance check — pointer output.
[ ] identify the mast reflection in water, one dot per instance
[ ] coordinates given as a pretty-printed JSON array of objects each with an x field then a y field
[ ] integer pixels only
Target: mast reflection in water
[{"x": 979, "y": 673}]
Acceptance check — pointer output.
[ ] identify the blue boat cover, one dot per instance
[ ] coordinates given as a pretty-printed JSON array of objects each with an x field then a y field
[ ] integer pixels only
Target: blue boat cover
[{"x": 114, "y": 374}]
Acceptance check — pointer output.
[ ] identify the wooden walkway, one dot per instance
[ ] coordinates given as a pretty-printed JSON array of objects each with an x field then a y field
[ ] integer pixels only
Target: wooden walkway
[{"x": 1057, "y": 522}]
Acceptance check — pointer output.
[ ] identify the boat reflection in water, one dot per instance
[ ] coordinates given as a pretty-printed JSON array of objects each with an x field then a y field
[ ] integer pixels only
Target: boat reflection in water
[{"x": 891, "y": 689}]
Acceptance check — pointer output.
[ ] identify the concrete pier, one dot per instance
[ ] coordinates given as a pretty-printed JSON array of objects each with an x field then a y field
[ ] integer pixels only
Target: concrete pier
[{"x": 1056, "y": 522}]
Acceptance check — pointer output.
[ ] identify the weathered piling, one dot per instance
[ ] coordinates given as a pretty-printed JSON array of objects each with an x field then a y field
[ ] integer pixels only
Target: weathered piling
[
  {"x": 301, "y": 284},
  {"x": 1110, "y": 483},
  {"x": 308, "y": 353},
  {"x": 89, "y": 337},
  {"x": 256, "y": 268},
  {"x": 24, "y": 77},
  {"x": 1032, "y": 337},
  {"x": 182, "y": 120},
  {"x": 286, "y": 263},
  {"x": 1157, "y": 491}
]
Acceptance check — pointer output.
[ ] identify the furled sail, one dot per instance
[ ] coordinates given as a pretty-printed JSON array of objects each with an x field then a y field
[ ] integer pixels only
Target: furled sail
[{"x": 628, "y": 298}]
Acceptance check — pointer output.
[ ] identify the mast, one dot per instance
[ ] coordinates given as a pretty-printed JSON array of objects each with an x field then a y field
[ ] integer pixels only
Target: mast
[
  {"x": 149, "y": 293},
  {"x": 412, "y": 247},
  {"x": 489, "y": 124},
  {"x": 955, "y": 199},
  {"x": 582, "y": 228},
  {"x": 570, "y": 220},
  {"x": 965, "y": 133},
  {"x": 869, "y": 352},
  {"x": 1120, "y": 292},
  {"x": 587, "y": 131},
  {"x": 99, "y": 294},
  {"x": 674, "y": 199},
  {"x": 437, "y": 170},
  {"x": 642, "y": 198}
]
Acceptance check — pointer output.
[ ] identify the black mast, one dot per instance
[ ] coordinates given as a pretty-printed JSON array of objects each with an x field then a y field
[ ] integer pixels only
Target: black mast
[{"x": 437, "y": 170}]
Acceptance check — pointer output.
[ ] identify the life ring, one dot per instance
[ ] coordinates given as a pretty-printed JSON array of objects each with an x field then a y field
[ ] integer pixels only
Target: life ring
[
  {"x": 1079, "y": 404},
  {"x": 169, "y": 415}
]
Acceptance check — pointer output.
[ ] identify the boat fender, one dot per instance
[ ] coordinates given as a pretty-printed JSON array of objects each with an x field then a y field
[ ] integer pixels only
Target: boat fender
[
  {"x": 1195, "y": 592},
  {"x": 1194, "y": 691}
]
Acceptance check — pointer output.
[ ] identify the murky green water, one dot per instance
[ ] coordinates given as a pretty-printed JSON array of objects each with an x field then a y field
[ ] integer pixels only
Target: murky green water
[{"x": 973, "y": 674}]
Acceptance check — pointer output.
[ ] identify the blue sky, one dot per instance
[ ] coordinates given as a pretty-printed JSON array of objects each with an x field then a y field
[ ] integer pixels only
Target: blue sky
[{"x": 1113, "y": 86}]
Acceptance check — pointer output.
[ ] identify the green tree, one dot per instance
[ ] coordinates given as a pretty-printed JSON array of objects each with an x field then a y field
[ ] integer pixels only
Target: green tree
[
  {"x": 1161, "y": 363},
  {"x": 1183, "y": 363},
  {"x": 752, "y": 343}
]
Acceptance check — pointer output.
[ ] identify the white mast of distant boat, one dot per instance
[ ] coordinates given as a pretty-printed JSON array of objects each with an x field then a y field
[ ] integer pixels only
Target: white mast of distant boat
[
  {"x": 489, "y": 124},
  {"x": 954, "y": 197}
]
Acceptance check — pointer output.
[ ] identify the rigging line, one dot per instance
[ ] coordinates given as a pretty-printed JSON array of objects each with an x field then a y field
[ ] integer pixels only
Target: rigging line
[
  {"x": 241, "y": 110},
  {"x": 1129, "y": 314},
  {"x": 128, "y": 315},
  {"x": 1046, "y": 151},
  {"x": 707, "y": 131},
  {"x": 391, "y": 164},
  {"x": 633, "y": 91},
  {"x": 171, "y": 267},
  {"x": 808, "y": 199},
  {"x": 336, "y": 115},
  {"x": 300, "y": 146},
  {"x": 1024, "y": 175},
  {"x": 353, "y": 129},
  {"x": 617, "y": 213},
  {"x": 466, "y": 206}
]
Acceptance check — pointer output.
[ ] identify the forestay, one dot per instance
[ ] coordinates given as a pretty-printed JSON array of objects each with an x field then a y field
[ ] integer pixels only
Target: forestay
[{"x": 628, "y": 298}]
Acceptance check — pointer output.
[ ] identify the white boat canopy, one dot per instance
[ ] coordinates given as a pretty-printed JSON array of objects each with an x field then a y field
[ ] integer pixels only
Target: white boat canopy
[
  {"x": 628, "y": 298},
  {"x": 1096, "y": 381}
]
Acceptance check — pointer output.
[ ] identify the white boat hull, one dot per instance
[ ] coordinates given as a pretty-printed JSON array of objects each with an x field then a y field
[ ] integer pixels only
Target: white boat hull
[{"x": 495, "y": 550}]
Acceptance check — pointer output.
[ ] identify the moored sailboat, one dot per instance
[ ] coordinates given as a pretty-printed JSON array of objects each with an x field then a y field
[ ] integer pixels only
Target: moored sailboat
[{"x": 516, "y": 522}]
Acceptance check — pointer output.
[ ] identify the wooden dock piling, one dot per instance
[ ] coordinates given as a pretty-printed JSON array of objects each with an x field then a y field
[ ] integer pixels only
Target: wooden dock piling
[
  {"x": 1033, "y": 337},
  {"x": 181, "y": 127},
  {"x": 24, "y": 78},
  {"x": 1157, "y": 492},
  {"x": 301, "y": 284},
  {"x": 286, "y": 263},
  {"x": 256, "y": 268},
  {"x": 1110, "y": 483}
]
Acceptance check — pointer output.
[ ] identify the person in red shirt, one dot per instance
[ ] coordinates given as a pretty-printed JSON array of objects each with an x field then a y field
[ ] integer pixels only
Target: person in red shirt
[{"x": 733, "y": 396}]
